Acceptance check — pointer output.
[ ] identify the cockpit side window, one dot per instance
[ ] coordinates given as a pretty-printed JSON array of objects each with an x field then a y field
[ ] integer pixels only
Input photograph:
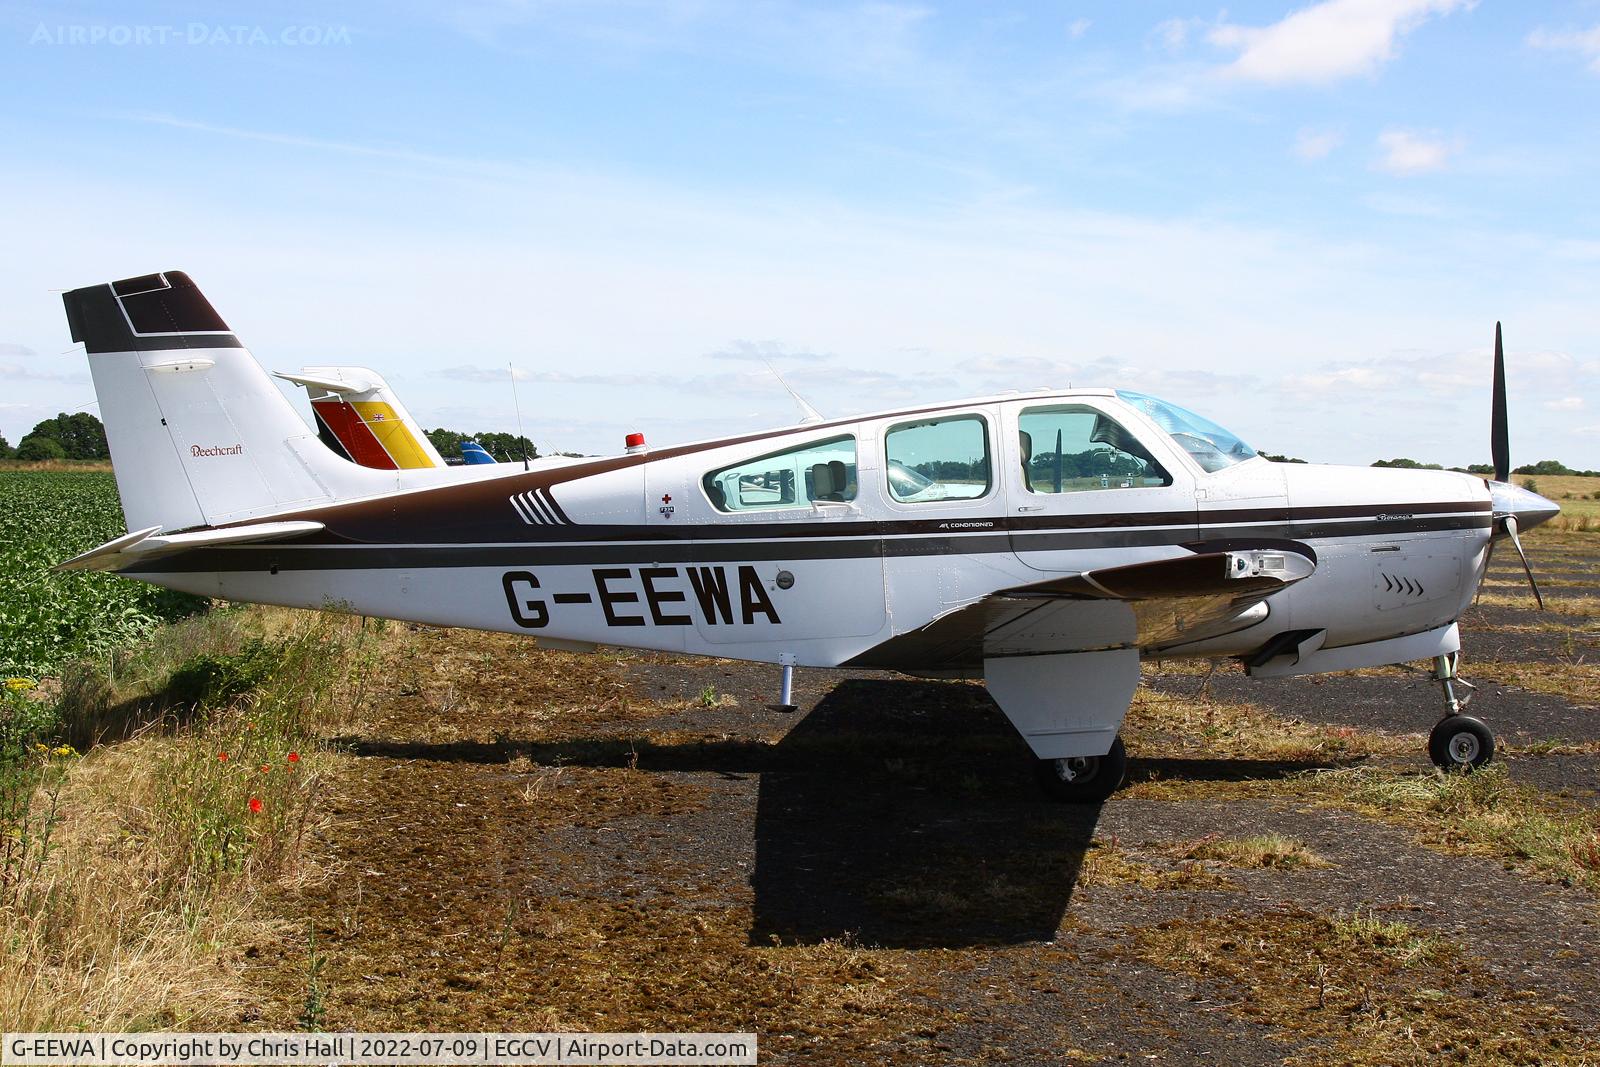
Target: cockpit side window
[
  {"x": 938, "y": 459},
  {"x": 818, "y": 472},
  {"x": 1071, "y": 448}
]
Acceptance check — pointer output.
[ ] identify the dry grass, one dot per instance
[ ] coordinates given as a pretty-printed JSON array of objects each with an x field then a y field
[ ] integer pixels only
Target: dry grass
[
  {"x": 1354, "y": 988},
  {"x": 1579, "y": 499},
  {"x": 1108, "y": 863},
  {"x": 593, "y": 796},
  {"x": 1572, "y": 679},
  {"x": 1558, "y": 603},
  {"x": 1256, "y": 852},
  {"x": 1172, "y": 725},
  {"x": 1573, "y": 520},
  {"x": 141, "y": 861},
  {"x": 1483, "y": 813}
]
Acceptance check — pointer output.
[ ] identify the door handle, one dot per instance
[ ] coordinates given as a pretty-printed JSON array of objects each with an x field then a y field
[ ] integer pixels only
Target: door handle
[{"x": 1030, "y": 507}]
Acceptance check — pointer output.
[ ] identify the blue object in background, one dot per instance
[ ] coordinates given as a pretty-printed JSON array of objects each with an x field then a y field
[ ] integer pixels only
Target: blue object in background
[{"x": 472, "y": 452}]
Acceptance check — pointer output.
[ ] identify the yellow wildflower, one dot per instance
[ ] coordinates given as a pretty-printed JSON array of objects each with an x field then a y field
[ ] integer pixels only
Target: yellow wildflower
[{"x": 20, "y": 685}]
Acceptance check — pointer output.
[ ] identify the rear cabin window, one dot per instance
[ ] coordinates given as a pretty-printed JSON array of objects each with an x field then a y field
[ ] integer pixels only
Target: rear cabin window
[
  {"x": 1072, "y": 448},
  {"x": 938, "y": 459},
  {"x": 820, "y": 472}
]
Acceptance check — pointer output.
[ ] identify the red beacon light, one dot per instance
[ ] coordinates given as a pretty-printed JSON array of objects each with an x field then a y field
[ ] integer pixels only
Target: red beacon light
[{"x": 634, "y": 442}]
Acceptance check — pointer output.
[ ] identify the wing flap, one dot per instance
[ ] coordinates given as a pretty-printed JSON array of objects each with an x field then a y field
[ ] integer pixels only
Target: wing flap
[{"x": 1206, "y": 593}]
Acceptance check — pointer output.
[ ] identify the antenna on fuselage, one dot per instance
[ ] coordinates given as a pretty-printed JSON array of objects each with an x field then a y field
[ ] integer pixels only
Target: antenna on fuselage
[
  {"x": 522, "y": 438},
  {"x": 811, "y": 413}
]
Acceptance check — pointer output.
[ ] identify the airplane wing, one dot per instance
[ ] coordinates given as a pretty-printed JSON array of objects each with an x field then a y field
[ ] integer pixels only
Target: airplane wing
[{"x": 1215, "y": 588}]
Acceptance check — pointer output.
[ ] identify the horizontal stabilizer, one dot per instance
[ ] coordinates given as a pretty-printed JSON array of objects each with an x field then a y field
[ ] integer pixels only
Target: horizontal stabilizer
[
  {"x": 331, "y": 384},
  {"x": 148, "y": 544}
]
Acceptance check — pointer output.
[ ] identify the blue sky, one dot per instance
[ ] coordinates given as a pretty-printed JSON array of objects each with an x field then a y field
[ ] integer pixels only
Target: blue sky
[{"x": 1300, "y": 219}]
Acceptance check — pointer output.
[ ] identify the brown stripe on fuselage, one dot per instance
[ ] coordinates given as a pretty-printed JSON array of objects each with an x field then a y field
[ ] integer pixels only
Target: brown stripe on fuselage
[{"x": 572, "y": 550}]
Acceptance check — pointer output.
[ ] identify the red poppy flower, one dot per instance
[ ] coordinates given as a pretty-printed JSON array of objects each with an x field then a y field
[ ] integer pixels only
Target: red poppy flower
[
  {"x": 294, "y": 757},
  {"x": 265, "y": 767},
  {"x": 255, "y": 804},
  {"x": 223, "y": 756}
]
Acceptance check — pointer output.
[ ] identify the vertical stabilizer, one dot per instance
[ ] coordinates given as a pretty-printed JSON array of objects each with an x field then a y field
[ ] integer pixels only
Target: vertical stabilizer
[
  {"x": 199, "y": 434},
  {"x": 361, "y": 418}
]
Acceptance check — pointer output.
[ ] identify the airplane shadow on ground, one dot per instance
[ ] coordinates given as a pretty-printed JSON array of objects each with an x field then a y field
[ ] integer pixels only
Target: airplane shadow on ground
[
  {"x": 895, "y": 813},
  {"x": 904, "y": 815}
]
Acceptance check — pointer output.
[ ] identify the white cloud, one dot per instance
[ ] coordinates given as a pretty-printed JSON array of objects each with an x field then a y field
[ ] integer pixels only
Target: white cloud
[
  {"x": 1584, "y": 42},
  {"x": 1343, "y": 379},
  {"x": 1173, "y": 34},
  {"x": 768, "y": 351},
  {"x": 1078, "y": 27},
  {"x": 1565, "y": 403},
  {"x": 18, "y": 372},
  {"x": 1311, "y": 145},
  {"x": 1406, "y": 152},
  {"x": 1325, "y": 42}
]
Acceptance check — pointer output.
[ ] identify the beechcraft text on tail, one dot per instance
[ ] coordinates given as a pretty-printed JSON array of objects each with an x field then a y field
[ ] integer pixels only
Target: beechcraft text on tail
[{"x": 1045, "y": 541}]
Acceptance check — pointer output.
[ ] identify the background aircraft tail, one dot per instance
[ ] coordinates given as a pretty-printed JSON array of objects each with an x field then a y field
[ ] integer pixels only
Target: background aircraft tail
[
  {"x": 473, "y": 454},
  {"x": 361, "y": 418},
  {"x": 199, "y": 434}
]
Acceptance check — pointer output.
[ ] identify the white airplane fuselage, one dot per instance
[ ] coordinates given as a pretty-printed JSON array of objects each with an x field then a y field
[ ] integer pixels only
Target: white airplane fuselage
[{"x": 637, "y": 555}]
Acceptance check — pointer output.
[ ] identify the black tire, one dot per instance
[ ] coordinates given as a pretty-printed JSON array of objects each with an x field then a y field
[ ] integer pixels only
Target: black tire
[
  {"x": 1461, "y": 743},
  {"x": 1083, "y": 779}
]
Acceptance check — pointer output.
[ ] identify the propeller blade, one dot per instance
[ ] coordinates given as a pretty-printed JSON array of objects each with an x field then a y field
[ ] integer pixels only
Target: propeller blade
[
  {"x": 1488, "y": 558},
  {"x": 1499, "y": 435},
  {"x": 1511, "y": 529}
]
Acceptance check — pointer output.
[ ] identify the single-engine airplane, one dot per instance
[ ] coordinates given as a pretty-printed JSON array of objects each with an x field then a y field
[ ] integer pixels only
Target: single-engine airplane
[{"x": 1046, "y": 540}]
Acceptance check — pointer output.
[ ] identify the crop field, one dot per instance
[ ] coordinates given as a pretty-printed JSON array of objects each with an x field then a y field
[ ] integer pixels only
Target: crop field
[
  {"x": 47, "y": 618},
  {"x": 1579, "y": 499},
  {"x": 332, "y": 823}
]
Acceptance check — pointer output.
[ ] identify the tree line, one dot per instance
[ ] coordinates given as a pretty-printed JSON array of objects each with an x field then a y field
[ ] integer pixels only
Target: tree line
[
  {"x": 505, "y": 447},
  {"x": 82, "y": 436},
  {"x": 1552, "y": 467},
  {"x": 78, "y": 436}
]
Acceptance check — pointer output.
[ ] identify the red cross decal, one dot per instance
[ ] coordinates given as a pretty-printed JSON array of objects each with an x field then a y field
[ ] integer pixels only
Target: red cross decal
[{"x": 666, "y": 498}]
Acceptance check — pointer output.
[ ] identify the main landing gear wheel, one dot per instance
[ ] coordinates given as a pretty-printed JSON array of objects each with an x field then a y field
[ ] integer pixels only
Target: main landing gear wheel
[
  {"x": 1461, "y": 743},
  {"x": 1083, "y": 779}
]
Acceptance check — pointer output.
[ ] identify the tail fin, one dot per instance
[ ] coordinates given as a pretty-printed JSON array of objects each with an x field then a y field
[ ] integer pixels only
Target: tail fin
[
  {"x": 473, "y": 454},
  {"x": 199, "y": 434},
  {"x": 361, "y": 418}
]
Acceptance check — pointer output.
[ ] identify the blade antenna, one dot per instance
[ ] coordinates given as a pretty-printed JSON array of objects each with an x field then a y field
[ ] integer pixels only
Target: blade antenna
[
  {"x": 1499, "y": 434},
  {"x": 522, "y": 438},
  {"x": 811, "y": 413}
]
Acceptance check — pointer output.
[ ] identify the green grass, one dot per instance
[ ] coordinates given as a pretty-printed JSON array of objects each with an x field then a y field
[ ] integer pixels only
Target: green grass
[{"x": 46, "y": 618}]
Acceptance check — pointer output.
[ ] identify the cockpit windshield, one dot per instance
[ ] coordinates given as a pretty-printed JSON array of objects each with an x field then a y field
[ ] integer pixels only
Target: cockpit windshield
[{"x": 1207, "y": 443}]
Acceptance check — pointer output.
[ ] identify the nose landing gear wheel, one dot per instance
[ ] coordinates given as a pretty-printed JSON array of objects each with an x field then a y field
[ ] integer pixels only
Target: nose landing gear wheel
[
  {"x": 1083, "y": 779},
  {"x": 1461, "y": 743}
]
